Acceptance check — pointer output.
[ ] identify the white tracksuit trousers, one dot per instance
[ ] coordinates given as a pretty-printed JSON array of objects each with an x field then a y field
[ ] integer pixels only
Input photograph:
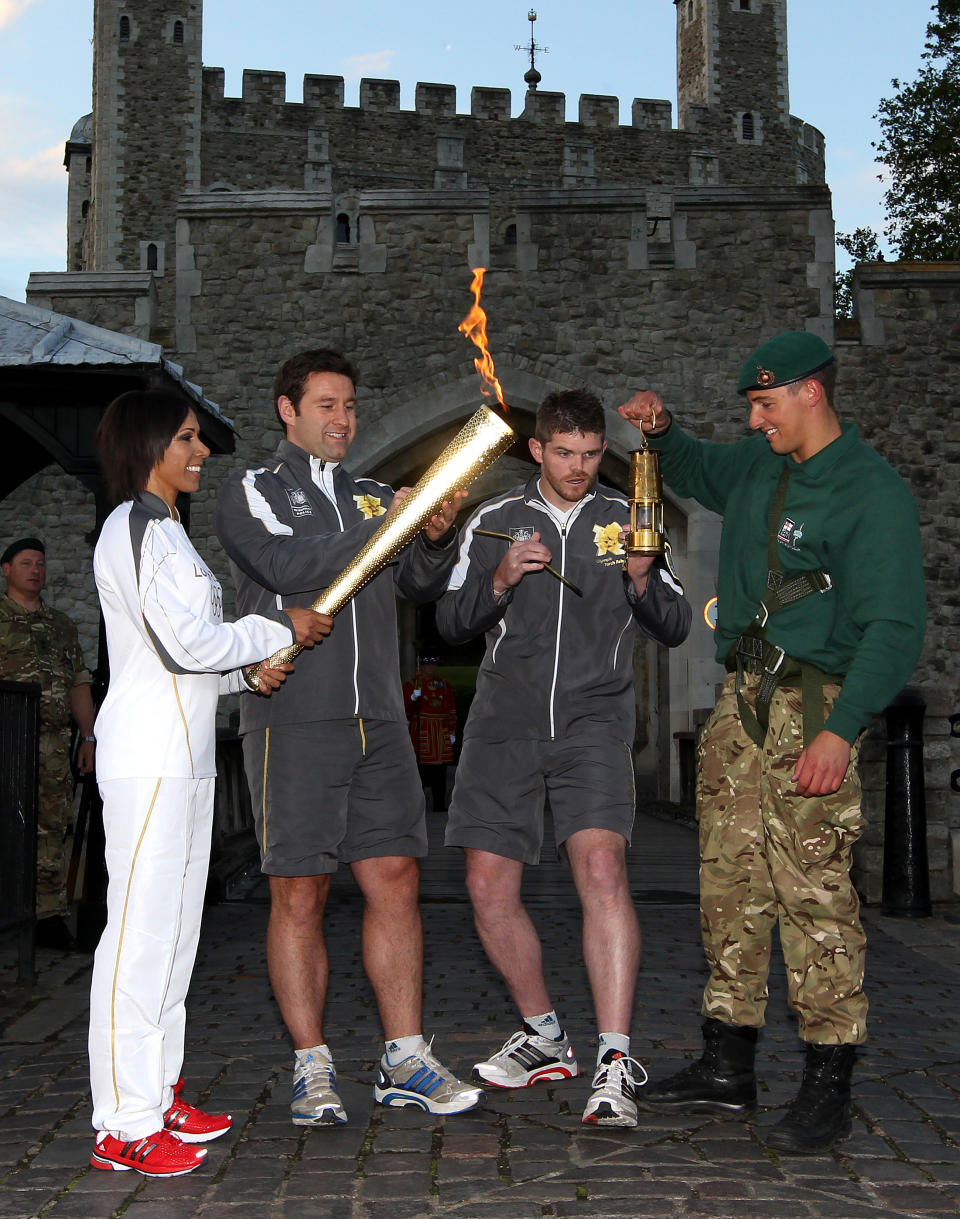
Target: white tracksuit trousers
[{"x": 158, "y": 849}]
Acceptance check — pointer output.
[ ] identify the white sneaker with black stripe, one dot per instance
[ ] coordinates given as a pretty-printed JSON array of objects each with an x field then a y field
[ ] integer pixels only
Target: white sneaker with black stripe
[
  {"x": 615, "y": 1086},
  {"x": 528, "y": 1059}
]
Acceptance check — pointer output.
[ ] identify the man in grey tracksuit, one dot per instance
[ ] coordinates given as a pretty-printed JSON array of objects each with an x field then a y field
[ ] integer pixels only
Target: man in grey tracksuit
[
  {"x": 330, "y": 763},
  {"x": 554, "y": 716}
]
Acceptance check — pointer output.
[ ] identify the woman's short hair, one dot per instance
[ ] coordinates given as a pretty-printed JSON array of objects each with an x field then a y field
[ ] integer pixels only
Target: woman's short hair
[{"x": 133, "y": 436}]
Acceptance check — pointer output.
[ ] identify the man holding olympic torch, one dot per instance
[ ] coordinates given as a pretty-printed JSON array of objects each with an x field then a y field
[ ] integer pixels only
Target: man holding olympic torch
[{"x": 329, "y": 762}]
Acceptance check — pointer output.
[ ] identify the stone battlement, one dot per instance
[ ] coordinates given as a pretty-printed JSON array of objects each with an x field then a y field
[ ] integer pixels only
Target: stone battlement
[{"x": 264, "y": 89}]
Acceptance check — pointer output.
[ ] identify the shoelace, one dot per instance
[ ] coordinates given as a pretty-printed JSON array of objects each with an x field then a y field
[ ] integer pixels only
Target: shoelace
[
  {"x": 518, "y": 1039},
  {"x": 320, "y": 1070},
  {"x": 514, "y": 1041},
  {"x": 426, "y": 1056},
  {"x": 623, "y": 1063}
]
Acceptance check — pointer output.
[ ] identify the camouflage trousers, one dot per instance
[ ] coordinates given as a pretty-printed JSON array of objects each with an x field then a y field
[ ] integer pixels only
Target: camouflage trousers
[
  {"x": 768, "y": 855},
  {"x": 54, "y": 819}
]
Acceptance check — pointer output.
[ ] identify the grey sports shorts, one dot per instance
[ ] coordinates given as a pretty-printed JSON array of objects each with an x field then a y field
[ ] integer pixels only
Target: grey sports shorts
[
  {"x": 502, "y": 786},
  {"x": 333, "y": 791}
]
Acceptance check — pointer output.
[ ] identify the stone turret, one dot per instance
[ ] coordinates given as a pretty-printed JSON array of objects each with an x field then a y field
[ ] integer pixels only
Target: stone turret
[
  {"x": 732, "y": 59},
  {"x": 147, "y": 75},
  {"x": 78, "y": 162}
]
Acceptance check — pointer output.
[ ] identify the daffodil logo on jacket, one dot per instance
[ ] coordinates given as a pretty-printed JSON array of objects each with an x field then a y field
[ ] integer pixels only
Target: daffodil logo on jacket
[{"x": 369, "y": 505}]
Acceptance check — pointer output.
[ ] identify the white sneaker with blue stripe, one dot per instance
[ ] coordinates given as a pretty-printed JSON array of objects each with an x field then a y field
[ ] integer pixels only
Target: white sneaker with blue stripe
[
  {"x": 316, "y": 1101},
  {"x": 421, "y": 1081}
]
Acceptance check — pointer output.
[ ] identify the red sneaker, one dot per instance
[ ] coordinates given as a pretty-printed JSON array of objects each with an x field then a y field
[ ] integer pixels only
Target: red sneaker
[
  {"x": 155, "y": 1155},
  {"x": 192, "y": 1125}
]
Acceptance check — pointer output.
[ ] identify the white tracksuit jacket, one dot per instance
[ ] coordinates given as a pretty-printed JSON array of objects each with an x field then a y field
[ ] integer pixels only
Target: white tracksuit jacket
[{"x": 171, "y": 653}]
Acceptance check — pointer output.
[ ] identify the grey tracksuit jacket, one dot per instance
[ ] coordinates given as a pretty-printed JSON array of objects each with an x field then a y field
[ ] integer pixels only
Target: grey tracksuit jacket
[
  {"x": 555, "y": 662},
  {"x": 287, "y": 540}
]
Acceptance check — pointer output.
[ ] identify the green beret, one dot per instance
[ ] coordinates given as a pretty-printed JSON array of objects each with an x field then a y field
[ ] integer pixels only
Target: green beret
[
  {"x": 789, "y": 357},
  {"x": 24, "y": 544}
]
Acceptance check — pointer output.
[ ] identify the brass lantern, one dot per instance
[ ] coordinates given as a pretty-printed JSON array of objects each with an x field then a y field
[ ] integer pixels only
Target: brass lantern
[{"x": 645, "y": 535}]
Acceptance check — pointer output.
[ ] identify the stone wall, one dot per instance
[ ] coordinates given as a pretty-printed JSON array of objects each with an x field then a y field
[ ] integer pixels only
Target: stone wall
[{"x": 900, "y": 379}]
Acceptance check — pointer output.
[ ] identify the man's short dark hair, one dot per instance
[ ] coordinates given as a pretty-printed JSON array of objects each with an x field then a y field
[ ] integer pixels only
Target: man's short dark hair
[
  {"x": 827, "y": 376},
  {"x": 570, "y": 410},
  {"x": 133, "y": 436},
  {"x": 292, "y": 375}
]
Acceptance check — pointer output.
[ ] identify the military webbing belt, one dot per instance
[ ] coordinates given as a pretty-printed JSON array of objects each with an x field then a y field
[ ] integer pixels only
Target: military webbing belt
[{"x": 754, "y": 653}]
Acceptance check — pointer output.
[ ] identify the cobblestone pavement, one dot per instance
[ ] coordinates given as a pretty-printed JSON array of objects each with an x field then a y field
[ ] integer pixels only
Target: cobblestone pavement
[{"x": 519, "y": 1155}]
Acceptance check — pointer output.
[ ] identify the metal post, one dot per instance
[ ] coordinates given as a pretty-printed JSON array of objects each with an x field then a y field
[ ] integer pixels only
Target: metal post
[
  {"x": 19, "y": 765},
  {"x": 906, "y": 878}
]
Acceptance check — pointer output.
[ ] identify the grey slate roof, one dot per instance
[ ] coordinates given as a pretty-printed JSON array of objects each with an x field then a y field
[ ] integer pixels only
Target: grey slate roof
[{"x": 31, "y": 336}]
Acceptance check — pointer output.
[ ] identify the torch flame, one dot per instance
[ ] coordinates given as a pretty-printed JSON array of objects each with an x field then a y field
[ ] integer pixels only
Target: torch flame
[{"x": 474, "y": 326}]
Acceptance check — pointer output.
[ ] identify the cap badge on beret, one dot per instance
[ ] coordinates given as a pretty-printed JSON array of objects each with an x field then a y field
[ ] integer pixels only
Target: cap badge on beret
[{"x": 765, "y": 376}]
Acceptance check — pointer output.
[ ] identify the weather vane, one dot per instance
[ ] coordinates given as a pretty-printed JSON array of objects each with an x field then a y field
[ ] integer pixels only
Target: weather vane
[{"x": 532, "y": 77}]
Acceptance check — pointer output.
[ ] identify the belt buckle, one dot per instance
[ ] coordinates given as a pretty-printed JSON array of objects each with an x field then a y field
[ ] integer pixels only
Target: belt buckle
[{"x": 775, "y": 666}]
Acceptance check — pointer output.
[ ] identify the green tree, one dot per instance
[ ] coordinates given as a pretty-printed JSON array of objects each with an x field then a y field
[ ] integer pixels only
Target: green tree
[
  {"x": 920, "y": 147},
  {"x": 862, "y": 245}
]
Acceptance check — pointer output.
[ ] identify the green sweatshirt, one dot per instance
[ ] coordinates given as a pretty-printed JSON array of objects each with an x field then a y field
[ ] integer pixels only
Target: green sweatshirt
[{"x": 848, "y": 513}]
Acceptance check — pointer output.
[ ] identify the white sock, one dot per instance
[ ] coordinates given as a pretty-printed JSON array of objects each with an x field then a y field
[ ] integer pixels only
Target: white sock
[
  {"x": 545, "y": 1025},
  {"x": 613, "y": 1041},
  {"x": 302, "y": 1057},
  {"x": 400, "y": 1048}
]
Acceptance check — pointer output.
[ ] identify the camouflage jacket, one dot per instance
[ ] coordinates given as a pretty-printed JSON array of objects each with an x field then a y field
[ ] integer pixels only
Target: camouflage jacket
[{"x": 41, "y": 645}]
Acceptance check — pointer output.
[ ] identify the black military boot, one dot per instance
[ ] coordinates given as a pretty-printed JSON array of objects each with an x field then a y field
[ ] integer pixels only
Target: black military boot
[
  {"x": 820, "y": 1113},
  {"x": 722, "y": 1080}
]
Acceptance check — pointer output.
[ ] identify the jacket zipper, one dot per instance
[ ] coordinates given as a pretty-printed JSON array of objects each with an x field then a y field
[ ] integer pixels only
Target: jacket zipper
[
  {"x": 556, "y": 650},
  {"x": 332, "y": 497}
]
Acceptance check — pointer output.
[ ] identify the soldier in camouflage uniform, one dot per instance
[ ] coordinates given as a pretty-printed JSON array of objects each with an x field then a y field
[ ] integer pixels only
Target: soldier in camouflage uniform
[
  {"x": 821, "y": 617},
  {"x": 39, "y": 644}
]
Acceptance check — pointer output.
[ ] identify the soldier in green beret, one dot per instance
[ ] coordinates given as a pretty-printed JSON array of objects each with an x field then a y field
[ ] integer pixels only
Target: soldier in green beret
[
  {"x": 40, "y": 644},
  {"x": 821, "y": 619}
]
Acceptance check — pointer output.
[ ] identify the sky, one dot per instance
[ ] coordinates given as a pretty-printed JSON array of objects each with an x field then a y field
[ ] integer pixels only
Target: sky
[{"x": 843, "y": 55}]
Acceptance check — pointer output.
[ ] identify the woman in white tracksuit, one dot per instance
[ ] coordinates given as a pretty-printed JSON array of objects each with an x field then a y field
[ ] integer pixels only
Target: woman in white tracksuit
[{"x": 171, "y": 655}]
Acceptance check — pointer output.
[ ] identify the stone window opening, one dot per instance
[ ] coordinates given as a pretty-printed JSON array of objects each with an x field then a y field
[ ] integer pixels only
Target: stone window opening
[
  {"x": 343, "y": 228},
  {"x": 747, "y": 128},
  {"x": 124, "y": 28},
  {"x": 746, "y": 6},
  {"x": 89, "y": 164},
  {"x": 178, "y": 33},
  {"x": 153, "y": 256},
  {"x": 510, "y": 235},
  {"x": 85, "y": 208},
  {"x": 690, "y": 10}
]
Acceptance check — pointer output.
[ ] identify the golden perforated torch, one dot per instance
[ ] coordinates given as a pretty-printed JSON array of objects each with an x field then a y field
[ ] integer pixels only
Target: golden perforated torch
[{"x": 645, "y": 535}]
